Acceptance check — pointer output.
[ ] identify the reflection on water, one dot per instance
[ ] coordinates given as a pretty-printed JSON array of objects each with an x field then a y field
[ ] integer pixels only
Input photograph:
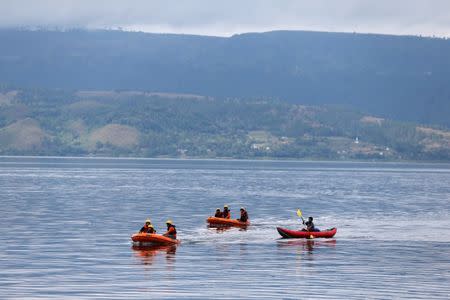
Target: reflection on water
[
  {"x": 222, "y": 228},
  {"x": 307, "y": 245},
  {"x": 305, "y": 249},
  {"x": 147, "y": 254}
]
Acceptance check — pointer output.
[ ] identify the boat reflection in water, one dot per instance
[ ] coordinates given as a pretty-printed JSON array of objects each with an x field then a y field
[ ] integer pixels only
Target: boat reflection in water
[
  {"x": 223, "y": 228},
  {"x": 307, "y": 245},
  {"x": 148, "y": 253}
]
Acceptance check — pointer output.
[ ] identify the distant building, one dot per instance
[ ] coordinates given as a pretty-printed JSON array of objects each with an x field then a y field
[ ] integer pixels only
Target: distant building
[
  {"x": 182, "y": 151},
  {"x": 258, "y": 146}
]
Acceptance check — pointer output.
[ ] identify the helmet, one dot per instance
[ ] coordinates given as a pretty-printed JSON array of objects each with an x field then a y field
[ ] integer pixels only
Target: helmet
[
  {"x": 225, "y": 206},
  {"x": 242, "y": 208},
  {"x": 169, "y": 222},
  {"x": 218, "y": 209},
  {"x": 148, "y": 221},
  {"x": 151, "y": 226}
]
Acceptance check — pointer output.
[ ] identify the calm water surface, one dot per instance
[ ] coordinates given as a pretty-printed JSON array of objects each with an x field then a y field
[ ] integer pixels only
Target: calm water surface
[{"x": 65, "y": 227}]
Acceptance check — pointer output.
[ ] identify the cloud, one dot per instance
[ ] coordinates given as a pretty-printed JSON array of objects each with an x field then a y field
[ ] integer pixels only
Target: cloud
[{"x": 233, "y": 16}]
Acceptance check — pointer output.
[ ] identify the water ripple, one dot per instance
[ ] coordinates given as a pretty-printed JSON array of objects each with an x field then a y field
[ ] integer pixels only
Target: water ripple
[{"x": 65, "y": 226}]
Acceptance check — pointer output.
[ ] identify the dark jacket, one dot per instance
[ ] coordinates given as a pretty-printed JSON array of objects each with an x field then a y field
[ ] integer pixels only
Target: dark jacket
[
  {"x": 226, "y": 214},
  {"x": 244, "y": 216},
  {"x": 309, "y": 225}
]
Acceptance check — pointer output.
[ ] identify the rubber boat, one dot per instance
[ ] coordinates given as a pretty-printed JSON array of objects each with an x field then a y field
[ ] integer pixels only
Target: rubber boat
[
  {"x": 153, "y": 238},
  {"x": 292, "y": 234},
  {"x": 213, "y": 221}
]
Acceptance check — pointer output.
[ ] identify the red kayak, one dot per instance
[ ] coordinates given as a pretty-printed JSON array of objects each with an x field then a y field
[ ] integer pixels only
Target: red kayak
[
  {"x": 213, "y": 221},
  {"x": 153, "y": 238},
  {"x": 291, "y": 234}
]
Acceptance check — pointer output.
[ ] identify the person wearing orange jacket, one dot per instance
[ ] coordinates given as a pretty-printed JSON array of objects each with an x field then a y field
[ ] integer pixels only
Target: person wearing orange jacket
[
  {"x": 226, "y": 214},
  {"x": 171, "y": 230},
  {"x": 148, "y": 227}
]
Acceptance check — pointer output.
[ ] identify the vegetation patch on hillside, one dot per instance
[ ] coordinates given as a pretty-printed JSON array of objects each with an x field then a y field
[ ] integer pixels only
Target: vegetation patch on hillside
[
  {"x": 23, "y": 135},
  {"x": 147, "y": 124},
  {"x": 121, "y": 136}
]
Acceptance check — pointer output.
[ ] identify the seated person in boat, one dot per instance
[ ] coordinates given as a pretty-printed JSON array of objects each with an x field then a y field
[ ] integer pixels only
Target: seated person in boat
[
  {"x": 244, "y": 215},
  {"x": 151, "y": 229},
  {"x": 226, "y": 212},
  {"x": 171, "y": 230},
  {"x": 218, "y": 213},
  {"x": 148, "y": 227},
  {"x": 309, "y": 225}
]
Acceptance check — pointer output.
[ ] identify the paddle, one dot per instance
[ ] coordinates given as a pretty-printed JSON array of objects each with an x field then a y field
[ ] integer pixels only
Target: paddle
[{"x": 299, "y": 213}]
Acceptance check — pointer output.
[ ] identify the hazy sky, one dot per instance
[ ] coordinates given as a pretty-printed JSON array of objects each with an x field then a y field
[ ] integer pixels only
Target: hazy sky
[{"x": 426, "y": 17}]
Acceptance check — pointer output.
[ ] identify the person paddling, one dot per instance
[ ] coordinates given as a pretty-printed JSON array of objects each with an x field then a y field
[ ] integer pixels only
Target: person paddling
[
  {"x": 148, "y": 227},
  {"x": 226, "y": 214},
  {"x": 218, "y": 213},
  {"x": 171, "y": 230},
  {"x": 244, "y": 215},
  {"x": 309, "y": 225}
]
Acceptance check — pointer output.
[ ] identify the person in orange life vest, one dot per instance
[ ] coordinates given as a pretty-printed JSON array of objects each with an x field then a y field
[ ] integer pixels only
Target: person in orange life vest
[
  {"x": 226, "y": 212},
  {"x": 244, "y": 215},
  {"x": 171, "y": 230},
  {"x": 218, "y": 213},
  {"x": 148, "y": 227}
]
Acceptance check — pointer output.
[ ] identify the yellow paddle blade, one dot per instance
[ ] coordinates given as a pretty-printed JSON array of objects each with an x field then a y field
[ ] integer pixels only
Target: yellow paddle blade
[{"x": 299, "y": 213}]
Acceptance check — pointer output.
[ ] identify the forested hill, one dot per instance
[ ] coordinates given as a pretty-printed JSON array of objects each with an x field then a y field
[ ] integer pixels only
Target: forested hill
[
  {"x": 133, "y": 123},
  {"x": 398, "y": 77}
]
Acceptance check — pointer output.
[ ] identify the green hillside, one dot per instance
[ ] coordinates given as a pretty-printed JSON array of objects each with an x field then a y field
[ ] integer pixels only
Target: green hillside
[
  {"x": 130, "y": 123},
  {"x": 396, "y": 77}
]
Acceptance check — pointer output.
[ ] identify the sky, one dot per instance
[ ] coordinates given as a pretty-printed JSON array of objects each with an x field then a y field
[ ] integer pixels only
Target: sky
[{"x": 228, "y": 17}]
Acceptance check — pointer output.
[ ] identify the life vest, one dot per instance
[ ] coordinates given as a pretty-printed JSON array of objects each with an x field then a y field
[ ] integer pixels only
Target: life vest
[
  {"x": 172, "y": 232},
  {"x": 218, "y": 214},
  {"x": 147, "y": 229},
  {"x": 226, "y": 214}
]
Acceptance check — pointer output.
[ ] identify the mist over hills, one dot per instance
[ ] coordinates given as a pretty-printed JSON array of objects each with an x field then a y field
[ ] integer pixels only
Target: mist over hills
[{"x": 404, "y": 78}]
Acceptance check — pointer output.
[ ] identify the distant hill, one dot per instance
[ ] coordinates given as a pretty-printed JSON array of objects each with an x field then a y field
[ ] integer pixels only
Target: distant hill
[
  {"x": 133, "y": 123},
  {"x": 397, "y": 77}
]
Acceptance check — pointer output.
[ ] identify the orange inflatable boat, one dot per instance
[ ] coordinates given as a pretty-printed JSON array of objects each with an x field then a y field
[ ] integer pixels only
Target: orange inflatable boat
[
  {"x": 222, "y": 222},
  {"x": 153, "y": 238}
]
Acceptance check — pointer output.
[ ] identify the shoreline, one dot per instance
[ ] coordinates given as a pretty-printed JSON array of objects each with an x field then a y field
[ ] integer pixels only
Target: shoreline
[{"x": 229, "y": 159}]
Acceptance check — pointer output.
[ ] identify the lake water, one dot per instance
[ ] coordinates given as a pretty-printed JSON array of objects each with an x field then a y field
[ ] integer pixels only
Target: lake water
[{"x": 65, "y": 226}]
